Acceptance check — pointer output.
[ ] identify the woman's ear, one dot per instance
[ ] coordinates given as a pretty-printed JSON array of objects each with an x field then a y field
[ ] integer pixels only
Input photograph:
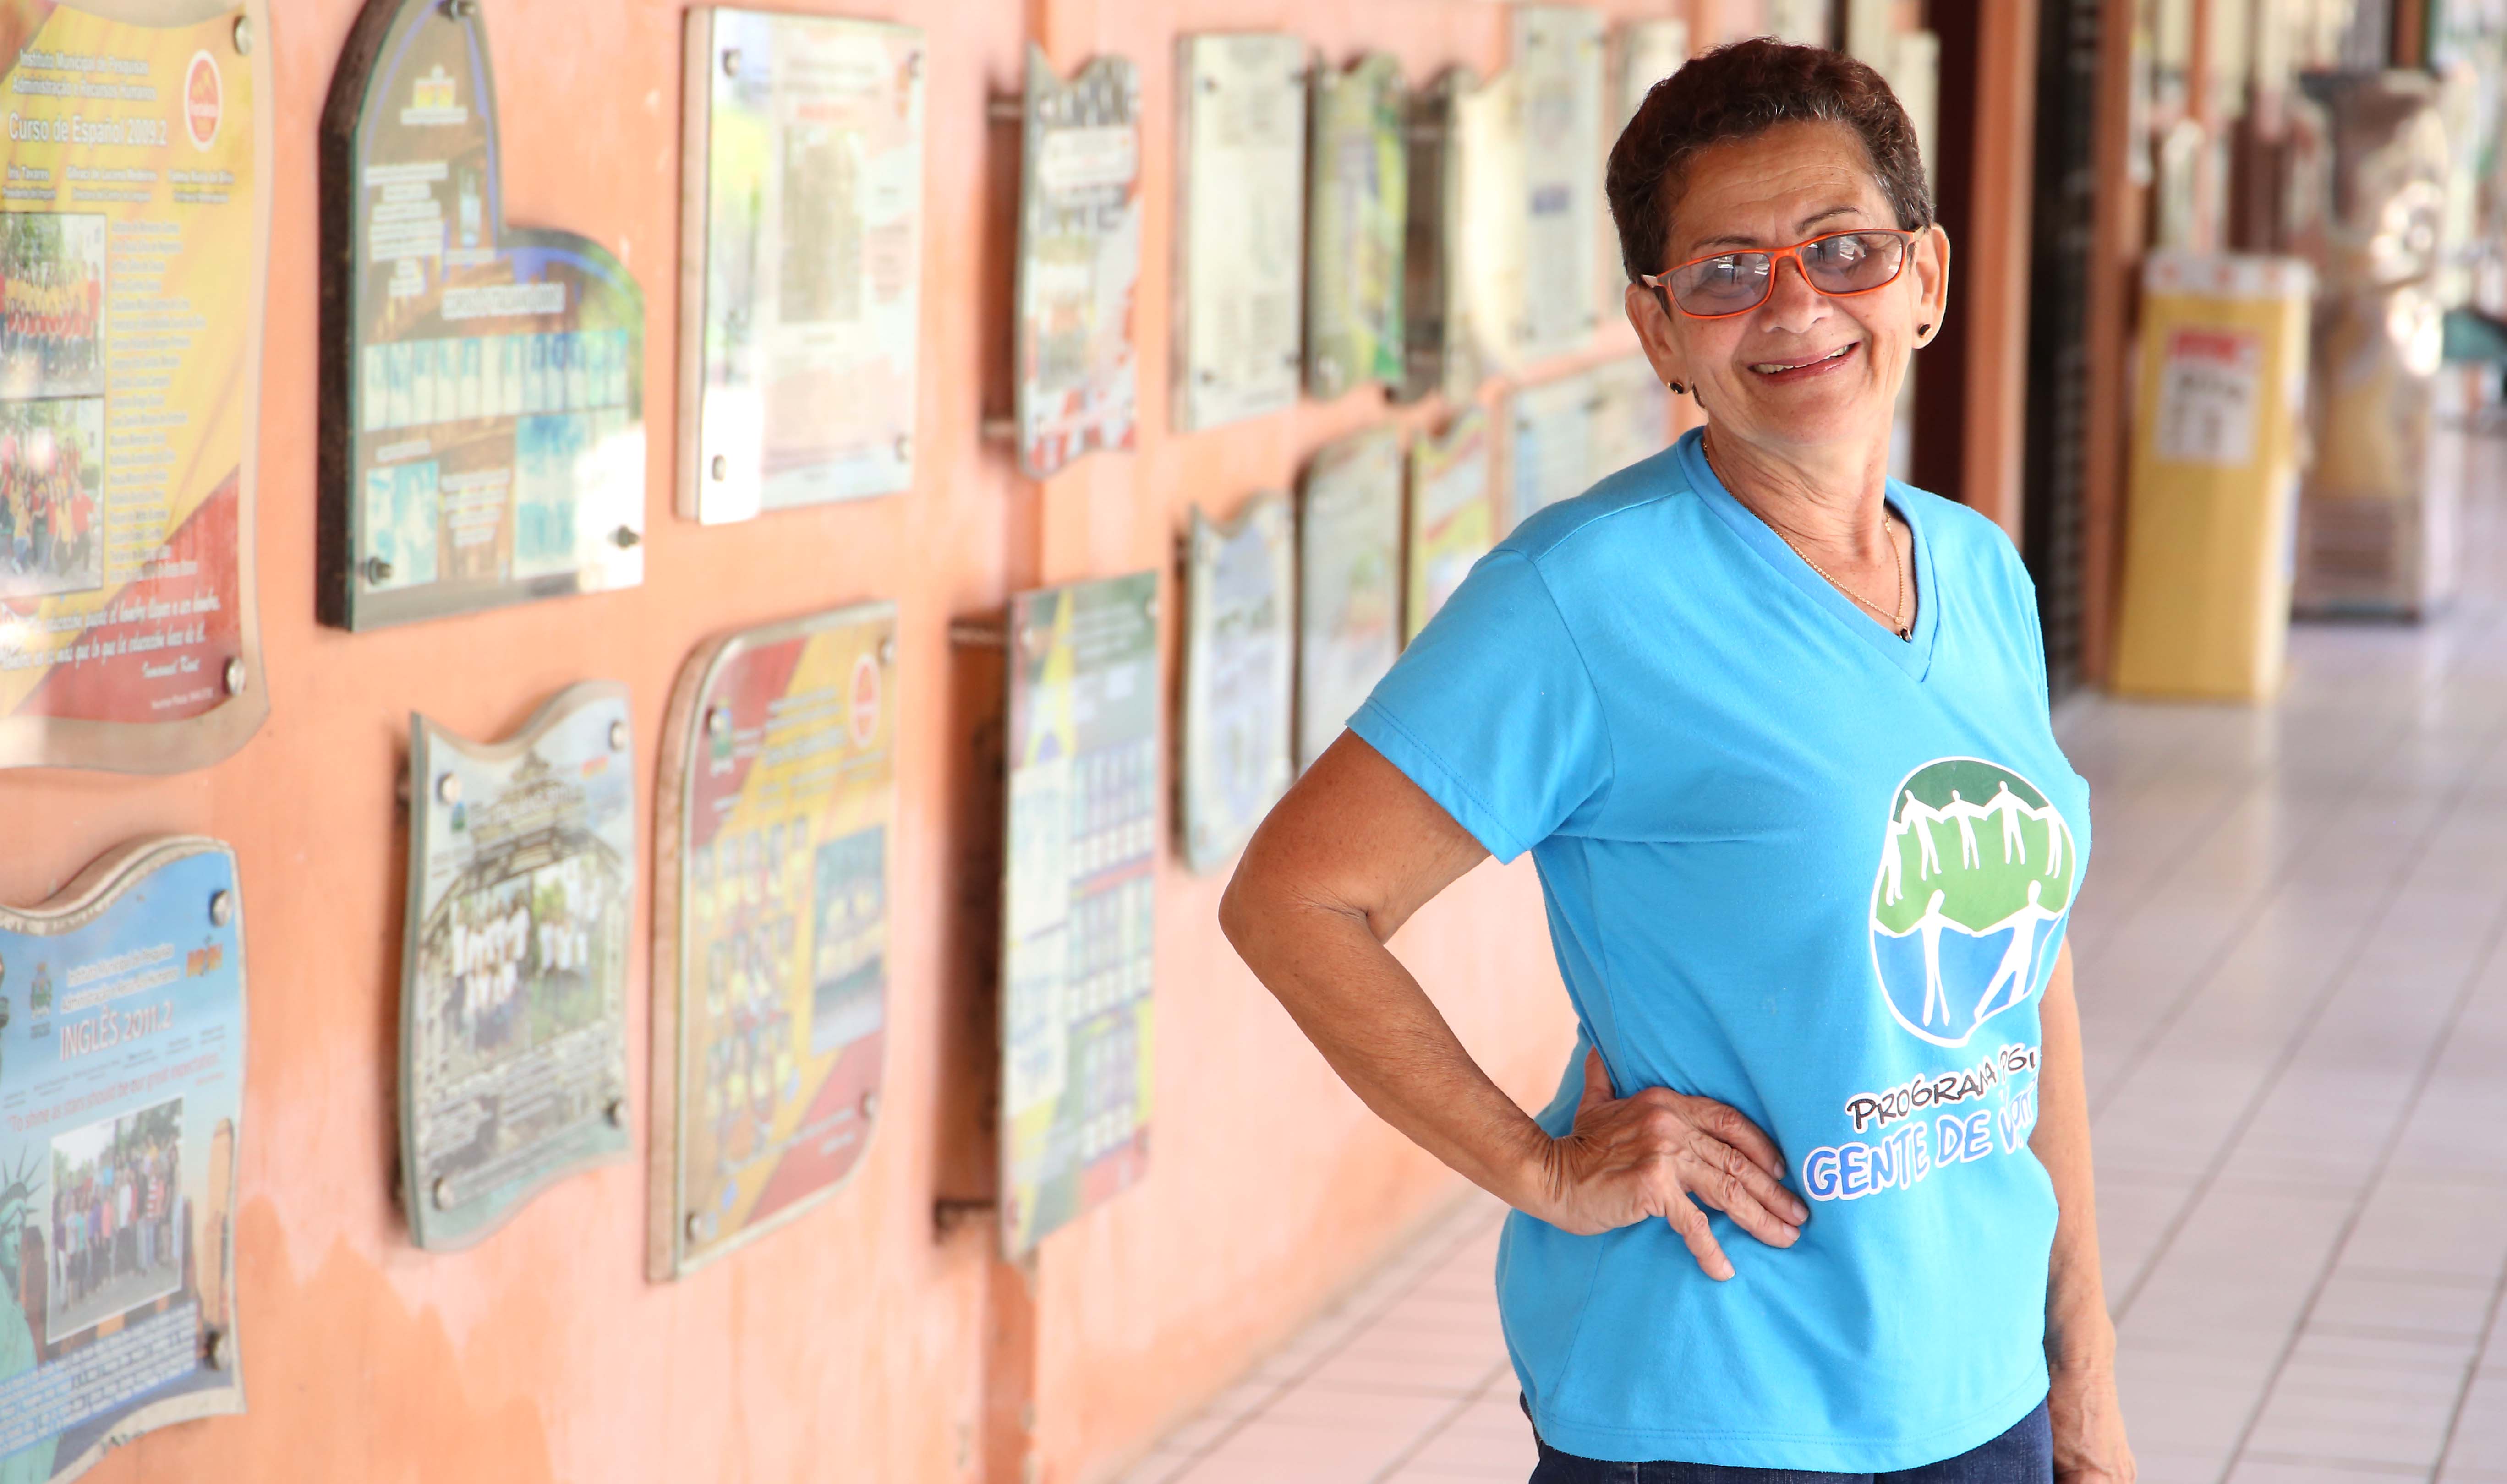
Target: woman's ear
[
  {"x": 1654, "y": 333},
  {"x": 1932, "y": 265}
]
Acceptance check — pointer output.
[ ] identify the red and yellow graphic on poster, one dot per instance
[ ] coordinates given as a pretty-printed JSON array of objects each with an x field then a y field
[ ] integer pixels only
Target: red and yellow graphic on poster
[
  {"x": 130, "y": 243},
  {"x": 785, "y": 800}
]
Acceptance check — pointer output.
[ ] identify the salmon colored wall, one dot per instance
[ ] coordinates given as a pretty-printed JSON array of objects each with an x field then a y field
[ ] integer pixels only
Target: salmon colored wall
[{"x": 857, "y": 1343}]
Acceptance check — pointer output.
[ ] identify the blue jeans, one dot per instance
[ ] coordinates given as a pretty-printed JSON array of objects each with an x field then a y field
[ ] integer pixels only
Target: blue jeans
[{"x": 2024, "y": 1455}]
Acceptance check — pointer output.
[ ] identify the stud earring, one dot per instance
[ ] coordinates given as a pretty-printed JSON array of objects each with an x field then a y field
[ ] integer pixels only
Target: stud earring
[
  {"x": 1675, "y": 388},
  {"x": 1923, "y": 329}
]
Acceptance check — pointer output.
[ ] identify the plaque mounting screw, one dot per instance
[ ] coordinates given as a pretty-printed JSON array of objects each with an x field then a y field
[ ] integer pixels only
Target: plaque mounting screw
[
  {"x": 717, "y": 721},
  {"x": 618, "y": 736},
  {"x": 448, "y": 788},
  {"x": 888, "y": 650},
  {"x": 696, "y": 1226},
  {"x": 625, "y": 537},
  {"x": 221, "y": 908},
  {"x": 904, "y": 447},
  {"x": 443, "y": 1193},
  {"x": 730, "y": 68},
  {"x": 616, "y": 1113},
  {"x": 234, "y": 675},
  {"x": 720, "y": 468},
  {"x": 377, "y": 570},
  {"x": 1149, "y": 608},
  {"x": 243, "y": 48},
  {"x": 870, "y": 1104},
  {"x": 218, "y": 1350},
  {"x": 460, "y": 10}
]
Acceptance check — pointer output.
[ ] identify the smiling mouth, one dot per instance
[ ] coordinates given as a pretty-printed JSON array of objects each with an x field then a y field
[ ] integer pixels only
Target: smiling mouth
[{"x": 1811, "y": 365}]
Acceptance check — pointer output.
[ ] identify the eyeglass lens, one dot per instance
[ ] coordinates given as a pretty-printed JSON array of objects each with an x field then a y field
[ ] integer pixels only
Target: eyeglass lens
[{"x": 1848, "y": 263}]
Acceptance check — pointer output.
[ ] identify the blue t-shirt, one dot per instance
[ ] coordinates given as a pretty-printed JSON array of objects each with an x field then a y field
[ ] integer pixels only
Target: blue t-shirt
[{"x": 1799, "y": 865}]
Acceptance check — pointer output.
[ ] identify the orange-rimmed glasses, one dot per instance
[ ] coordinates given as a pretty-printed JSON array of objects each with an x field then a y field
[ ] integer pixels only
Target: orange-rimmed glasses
[{"x": 1837, "y": 264}]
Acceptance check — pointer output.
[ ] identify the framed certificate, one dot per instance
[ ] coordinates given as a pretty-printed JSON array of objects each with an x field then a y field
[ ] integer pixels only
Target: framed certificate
[
  {"x": 771, "y": 947},
  {"x": 1357, "y": 212},
  {"x": 1076, "y": 369},
  {"x": 1238, "y": 674},
  {"x": 483, "y": 423},
  {"x": 1241, "y": 239},
  {"x": 1080, "y": 901},
  {"x": 802, "y": 252}
]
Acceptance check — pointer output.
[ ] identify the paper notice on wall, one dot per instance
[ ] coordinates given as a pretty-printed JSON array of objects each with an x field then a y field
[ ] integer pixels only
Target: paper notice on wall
[{"x": 2210, "y": 386}]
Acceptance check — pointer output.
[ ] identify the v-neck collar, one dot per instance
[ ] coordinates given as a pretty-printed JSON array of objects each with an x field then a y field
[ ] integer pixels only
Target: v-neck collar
[{"x": 1912, "y": 655}]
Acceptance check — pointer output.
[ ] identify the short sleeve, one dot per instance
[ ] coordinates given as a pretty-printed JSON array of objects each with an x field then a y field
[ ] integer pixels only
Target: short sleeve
[{"x": 1491, "y": 712}]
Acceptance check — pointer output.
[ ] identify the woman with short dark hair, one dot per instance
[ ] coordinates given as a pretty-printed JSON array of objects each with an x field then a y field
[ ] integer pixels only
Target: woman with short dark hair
[{"x": 1774, "y": 730}]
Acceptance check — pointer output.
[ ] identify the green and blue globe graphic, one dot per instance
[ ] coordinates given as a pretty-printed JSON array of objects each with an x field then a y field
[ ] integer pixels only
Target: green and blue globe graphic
[{"x": 1976, "y": 875}]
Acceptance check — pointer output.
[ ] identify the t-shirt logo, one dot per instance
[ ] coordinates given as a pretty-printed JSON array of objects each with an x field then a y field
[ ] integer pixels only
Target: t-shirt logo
[{"x": 1976, "y": 875}]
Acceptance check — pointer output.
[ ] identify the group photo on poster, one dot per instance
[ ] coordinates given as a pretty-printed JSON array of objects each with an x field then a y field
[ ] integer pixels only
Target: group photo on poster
[
  {"x": 121, "y": 1042},
  {"x": 52, "y": 496}
]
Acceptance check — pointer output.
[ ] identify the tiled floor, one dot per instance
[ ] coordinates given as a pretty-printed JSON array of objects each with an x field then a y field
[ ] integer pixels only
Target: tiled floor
[{"x": 2295, "y": 998}]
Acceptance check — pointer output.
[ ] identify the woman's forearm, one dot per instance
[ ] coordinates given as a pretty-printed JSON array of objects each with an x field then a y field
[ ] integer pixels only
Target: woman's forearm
[{"x": 2078, "y": 1332}]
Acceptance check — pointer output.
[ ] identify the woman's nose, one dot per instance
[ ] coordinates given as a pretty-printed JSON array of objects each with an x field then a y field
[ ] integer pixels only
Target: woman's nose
[{"x": 1791, "y": 302}]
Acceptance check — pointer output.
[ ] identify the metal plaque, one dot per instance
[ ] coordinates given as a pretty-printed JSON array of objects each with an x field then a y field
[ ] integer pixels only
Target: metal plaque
[
  {"x": 1079, "y": 903},
  {"x": 121, "y": 1051},
  {"x": 1631, "y": 412},
  {"x": 1078, "y": 370},
  {"x": 1490, "y": 224},
  {"x": 1242, "y": 245},
  {"x": 1558, "y": 62},
  {"x": 513, "y": 1003},
  {"x": 133, "y": 263},
  {"x": 1238, "y": 665},
  {"x": 483, "y": 425},
  {"x": 1453, "y": 523},
  {"x": 802, "y": 251},
  {"x": 779, "y": 807},
  {"x": 1549, "y": 436},
  {"x": 1649, "y": 51},
  {"x": 1357, "y": 210},
  {"x": 1349, "y": 583},
  {"x": 1439, "y": 355}
]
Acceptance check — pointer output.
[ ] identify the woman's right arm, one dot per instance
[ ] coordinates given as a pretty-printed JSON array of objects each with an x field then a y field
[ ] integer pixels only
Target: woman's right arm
[{"x": 1344, "y": 859}]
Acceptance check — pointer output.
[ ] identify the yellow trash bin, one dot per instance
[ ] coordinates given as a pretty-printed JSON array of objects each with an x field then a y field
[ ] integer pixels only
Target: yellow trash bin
[{"x": 2214, "y": 475}]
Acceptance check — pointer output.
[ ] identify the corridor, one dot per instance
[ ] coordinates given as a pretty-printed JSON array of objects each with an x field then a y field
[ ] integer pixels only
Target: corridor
[{"x": 2295, "y": 998}]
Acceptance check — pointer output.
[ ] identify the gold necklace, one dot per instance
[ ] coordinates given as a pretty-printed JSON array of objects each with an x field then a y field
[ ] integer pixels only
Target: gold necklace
[{"x": 1897, "y": 624}]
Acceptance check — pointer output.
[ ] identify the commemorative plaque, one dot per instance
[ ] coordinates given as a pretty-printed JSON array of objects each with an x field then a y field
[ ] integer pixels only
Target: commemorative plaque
[
  {"x": 1349, "y": 583},
  {"x": 1631, "y": 411},
  {"x": 1079, "y": 904},
  {"x": 483, "y": 431},
  {"x": 1439, "y": 353},
  {"x": 801, "y": 241},
  {"x": 1558, "y": 65},
  {"x": 1452, "y": 524},
  {"x": 777, "y": 809},
  {"x": 1549, "y": 432},
  {"x": 133, "y": 259},
  {"x": 1357, "y": 210},
  {"x": 1238, "y": 676},
  {"x": 1491, "y": 191},
  {"x": 513, "y": 1003},
  {"x": 1649, "y": 51},
  {"x": 1076, "y": 369},
  {"x": 1243, "y": 238},
  {"x": 122, "y": 1048}
]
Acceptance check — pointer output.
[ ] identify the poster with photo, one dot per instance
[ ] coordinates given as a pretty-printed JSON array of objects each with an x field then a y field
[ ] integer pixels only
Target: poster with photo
[
  {"x": 1241, "y": 242},
  {"x": 134, "y": 251},
  {"x": 521, "y": 863},
  {"x": 1349, "y": 583},
  {"x": 122, "y": 1046},
  {"x": 1558, "y": 62},
  {"x": 1358, "y": 197},
  {"x": 771, "y": 941},
  {"x": 1075, "y": 367},
  {"x": 803, "y": 206},
  {"x": 1239, "y": 678},
  {"x": 1452, "y": 520},
  {"x": 483, "y": 426},
  {"x": 1078, "y": 902}
]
